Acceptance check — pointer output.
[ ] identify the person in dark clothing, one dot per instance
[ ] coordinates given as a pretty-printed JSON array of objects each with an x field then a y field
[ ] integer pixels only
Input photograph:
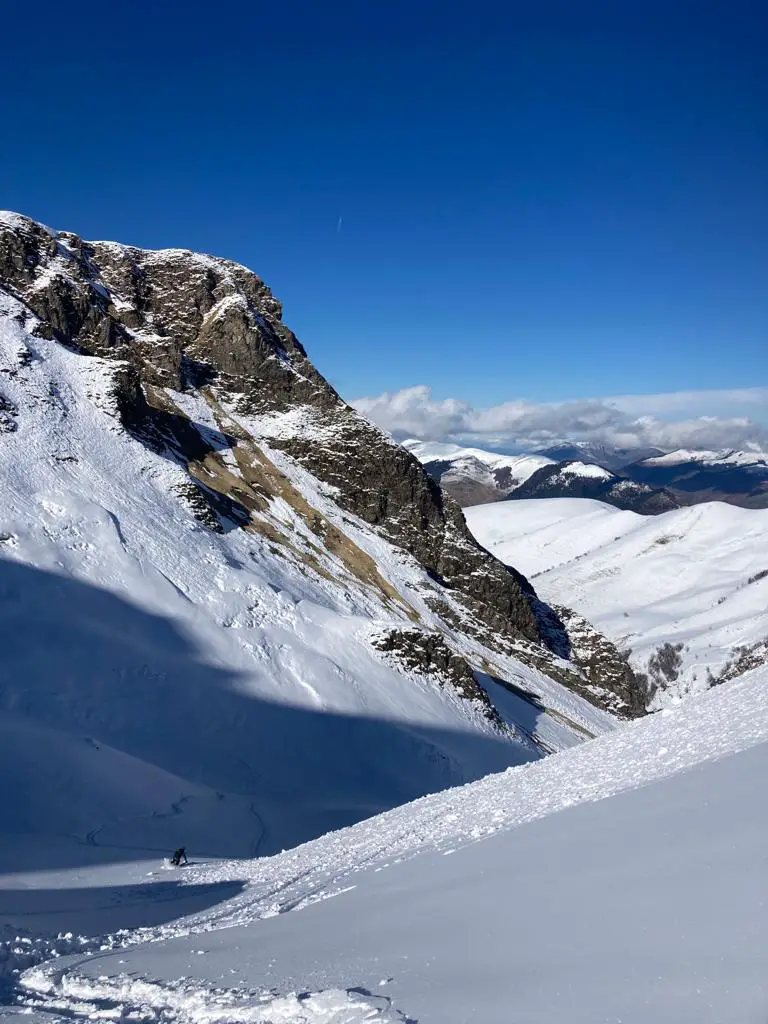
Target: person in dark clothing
[{"x": 178, "y": 855}]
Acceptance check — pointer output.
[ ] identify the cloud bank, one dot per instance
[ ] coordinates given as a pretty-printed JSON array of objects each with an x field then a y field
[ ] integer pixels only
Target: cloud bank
[{"x": 683, "y": 419}]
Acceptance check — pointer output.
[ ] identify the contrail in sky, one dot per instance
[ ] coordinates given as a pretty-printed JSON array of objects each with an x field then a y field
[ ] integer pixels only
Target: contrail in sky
[{"x": 338, "y": 226}]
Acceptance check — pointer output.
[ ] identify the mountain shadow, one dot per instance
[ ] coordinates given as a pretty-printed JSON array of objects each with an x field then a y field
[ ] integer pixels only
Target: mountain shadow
[{"x": 120, "y": 736}]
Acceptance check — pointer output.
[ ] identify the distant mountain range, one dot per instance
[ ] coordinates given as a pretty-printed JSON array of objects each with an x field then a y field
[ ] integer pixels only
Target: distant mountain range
[
  {"x": 603, "y": 455},
  {"x": 740, "y": 478},
  {"x": 473, "y": 477},
  {"x": 686, "y": 592},
  {"x": 644, "y": 480}
]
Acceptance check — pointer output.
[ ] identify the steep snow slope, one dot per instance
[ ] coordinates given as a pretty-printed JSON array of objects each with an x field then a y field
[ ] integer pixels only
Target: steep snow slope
[
  {"x": 619, "y": 880},
  {"x": 223, "y": 689},
  {"x": 697, "y": 577}
]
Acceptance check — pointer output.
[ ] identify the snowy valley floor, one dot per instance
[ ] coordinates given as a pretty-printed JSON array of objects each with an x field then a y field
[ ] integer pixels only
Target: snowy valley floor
[{"x": 624, "y": 880}]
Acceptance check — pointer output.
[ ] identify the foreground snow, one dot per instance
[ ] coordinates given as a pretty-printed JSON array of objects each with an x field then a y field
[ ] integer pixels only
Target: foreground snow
[
  {"x": 629, "y": 895},
  {"x": 693, "y": 576}
]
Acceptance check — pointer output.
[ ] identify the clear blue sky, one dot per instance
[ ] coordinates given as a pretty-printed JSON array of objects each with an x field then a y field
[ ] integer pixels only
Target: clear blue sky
[{"x": 546, "y": 200}]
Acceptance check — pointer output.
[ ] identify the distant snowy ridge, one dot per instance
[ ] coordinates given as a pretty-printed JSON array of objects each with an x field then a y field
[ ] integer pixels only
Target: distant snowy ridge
[
  {"x": 520, "y": 466},
  {"x": 584, "y": 469},
  {"x": 726, "y": 456},
  {"x": 473, "y": 476}
]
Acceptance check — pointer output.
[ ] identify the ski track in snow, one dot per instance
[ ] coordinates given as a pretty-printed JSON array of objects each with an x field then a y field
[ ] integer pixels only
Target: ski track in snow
[{"x": 723, "y": 721}]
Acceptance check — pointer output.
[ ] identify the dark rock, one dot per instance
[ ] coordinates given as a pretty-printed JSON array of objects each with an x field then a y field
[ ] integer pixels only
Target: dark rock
[{"x": 429, "y": 654}]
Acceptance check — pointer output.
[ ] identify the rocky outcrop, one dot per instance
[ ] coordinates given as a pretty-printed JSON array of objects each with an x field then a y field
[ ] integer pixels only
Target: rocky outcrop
[
  {"x": 7, "y": 415},
  {"x": 429, "y": 654},
  {"x": 610, "y": 680}
]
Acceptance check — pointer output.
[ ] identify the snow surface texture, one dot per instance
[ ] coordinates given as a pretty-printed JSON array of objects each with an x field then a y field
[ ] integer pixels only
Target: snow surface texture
[
  {"x": 634, "y": 891},
  {"x": 161, "y": 684},
  {"x": 695, "y": 576}
]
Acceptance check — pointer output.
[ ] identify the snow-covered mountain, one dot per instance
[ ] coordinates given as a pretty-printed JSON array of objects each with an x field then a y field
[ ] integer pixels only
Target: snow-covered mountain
[
  {"x": 724, "y": 457},
  {"x": 740, "y": 478},
  {"x": 691, "y": 475},
  {"x": 686, "y": 591},
  {"x": 617, "y": 881},
  {"x": 234, "y": 610},
  {"x": 473, "y": 476},
  {"x": 587, "y": 480},
  {"x": 594, "y": 453},
  {"x": 237, "y": 616}
]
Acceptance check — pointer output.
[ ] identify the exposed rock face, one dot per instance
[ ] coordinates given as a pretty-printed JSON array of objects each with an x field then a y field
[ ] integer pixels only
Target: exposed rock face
[
  {"x": 7, "y": 415},
  {"x": 429, "y": 654},
  {"x": 177, "y": 320},
  {"x": 609, "y": 675}
]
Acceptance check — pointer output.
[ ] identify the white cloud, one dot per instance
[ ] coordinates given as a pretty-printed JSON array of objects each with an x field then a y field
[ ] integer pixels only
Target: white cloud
[
  {"x": 681, "y": 401},
  {"x": 624, "y": 421}
]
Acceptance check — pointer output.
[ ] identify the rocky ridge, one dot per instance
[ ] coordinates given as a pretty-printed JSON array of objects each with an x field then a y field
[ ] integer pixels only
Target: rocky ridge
[{"x": 174, "y": 323}]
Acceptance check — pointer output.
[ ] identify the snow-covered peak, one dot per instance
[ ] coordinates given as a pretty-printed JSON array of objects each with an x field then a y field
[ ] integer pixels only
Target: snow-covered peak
[
  {"x": 694, "y": 578},
  {"x": 586, "y": 469},
  {"x": 521, "y": 466},
  {"x": 724, "y": 457}
]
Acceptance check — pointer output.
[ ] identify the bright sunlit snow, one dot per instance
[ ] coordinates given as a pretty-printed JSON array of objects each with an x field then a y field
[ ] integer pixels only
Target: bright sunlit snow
[{"x": 695, "y": 576}]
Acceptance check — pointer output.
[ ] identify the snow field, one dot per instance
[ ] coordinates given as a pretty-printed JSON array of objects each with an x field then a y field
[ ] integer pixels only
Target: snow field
[
  {"x": 691, "y": 576},
  {"x": 565, "y": 915}
]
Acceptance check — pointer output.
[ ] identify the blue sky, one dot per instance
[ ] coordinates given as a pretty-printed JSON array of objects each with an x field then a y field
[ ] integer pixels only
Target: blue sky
[{"x": 497, "y": 201}]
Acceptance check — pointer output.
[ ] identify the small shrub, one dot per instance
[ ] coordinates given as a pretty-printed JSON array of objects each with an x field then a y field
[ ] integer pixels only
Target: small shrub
[{"x": 665, "y": 663}]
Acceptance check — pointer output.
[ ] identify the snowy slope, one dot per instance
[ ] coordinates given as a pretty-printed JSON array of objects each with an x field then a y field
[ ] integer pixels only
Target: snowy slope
[
  {"x": 191, "y": 685},
  {"x": 585, "y": 469},
  {"x": 695, "y": 576},
  {"x": 617, "y": 881},
  {"x": 472, "y": 475}
]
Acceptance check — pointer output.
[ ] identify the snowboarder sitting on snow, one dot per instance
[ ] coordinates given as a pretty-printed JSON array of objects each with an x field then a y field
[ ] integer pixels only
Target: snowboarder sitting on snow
[{"x": 176, "y": 858}]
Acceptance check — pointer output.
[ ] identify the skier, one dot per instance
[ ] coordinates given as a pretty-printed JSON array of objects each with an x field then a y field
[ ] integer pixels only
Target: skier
[{"x": 177, "y": 857}]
